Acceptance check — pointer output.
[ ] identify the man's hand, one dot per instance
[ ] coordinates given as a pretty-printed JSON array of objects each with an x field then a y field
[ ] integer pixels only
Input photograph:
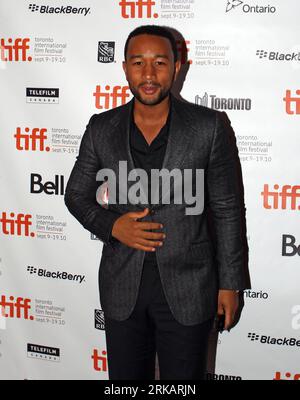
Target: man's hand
[
  {"x": 133, "y": 233},
  {"x": 228, "y": 303}
]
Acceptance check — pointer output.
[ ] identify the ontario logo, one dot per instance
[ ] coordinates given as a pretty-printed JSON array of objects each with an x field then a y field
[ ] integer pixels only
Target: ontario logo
[{"x": 248, "y": 9}]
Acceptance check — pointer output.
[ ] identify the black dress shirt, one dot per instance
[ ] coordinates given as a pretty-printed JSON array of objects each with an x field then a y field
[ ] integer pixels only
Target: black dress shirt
[{"x": 148, "y": 157}]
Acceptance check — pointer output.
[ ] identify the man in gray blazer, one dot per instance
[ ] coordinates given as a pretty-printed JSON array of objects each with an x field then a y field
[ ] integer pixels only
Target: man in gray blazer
[{"x": 162, "y": 279}]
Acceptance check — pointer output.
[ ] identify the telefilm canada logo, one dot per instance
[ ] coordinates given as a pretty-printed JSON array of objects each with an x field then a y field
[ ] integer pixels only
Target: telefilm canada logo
[
  {"x": 42, "y": 95},
  {"x": 264, "y": 339},
  {"x": 46, "y": 9},
  {"x": 99, "y": 320},
  {"x": 222, "y": 103},
  {"x": 59, "y": 275},
  {"x": 41, "y": 352},
  {"x": 106, "y": 52},
  {"x": 249, "y": 8}
]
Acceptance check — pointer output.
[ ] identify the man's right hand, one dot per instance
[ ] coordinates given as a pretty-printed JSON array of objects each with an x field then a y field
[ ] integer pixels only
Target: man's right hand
[{"x": 134, "y": 233}]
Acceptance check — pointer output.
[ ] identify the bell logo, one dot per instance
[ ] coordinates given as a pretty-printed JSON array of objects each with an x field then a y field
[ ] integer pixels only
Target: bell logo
[
  {"x": 31, "y": 140},
  {"x": 16, "y": 225},
  {"x": 100, "y": 362},
  {"x": 111, "y": 98},
  {"x": 292, "y": 103},
  {"x": 14, "y": 50},
  {"x": 137, "y": 9},
  {"x": 278, "y": 199},
  {"x": 289, "y": 249}
]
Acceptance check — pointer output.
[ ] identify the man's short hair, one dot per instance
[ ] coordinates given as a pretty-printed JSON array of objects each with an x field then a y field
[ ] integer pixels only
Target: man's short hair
[{"x": 155, "y": 30}]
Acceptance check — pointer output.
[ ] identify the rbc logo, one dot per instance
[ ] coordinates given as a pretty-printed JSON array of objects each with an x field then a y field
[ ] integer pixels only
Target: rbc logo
[
  {"x": 136, "y": 9},
  {"x": 15, "y": 50},
  {"x": 111, "y": 97},
  {"x": 106, "y": 52}
]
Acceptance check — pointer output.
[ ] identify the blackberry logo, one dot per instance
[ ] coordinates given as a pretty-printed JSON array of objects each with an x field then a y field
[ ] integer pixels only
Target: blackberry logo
[
  {"x": 33, "y": 7},
  {"x": 59, "y": 10},
  {"x": 253, "y": 336},
  {"x": 32, "y": 270},
  {"x": 277, "y": 56},
  {"x": 231, "y": 4},
  {"x": 106, "y": 52},
  {"x": 261, "y": 53},
  {"x": 44, "y": 273},
  {"x": 292, "y": 342}
]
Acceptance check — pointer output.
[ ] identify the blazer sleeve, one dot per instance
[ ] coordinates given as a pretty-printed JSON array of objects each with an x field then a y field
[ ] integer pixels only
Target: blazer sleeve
[
  {"x": 224, "y": 200},
  {"x": 80, "y": 194}
]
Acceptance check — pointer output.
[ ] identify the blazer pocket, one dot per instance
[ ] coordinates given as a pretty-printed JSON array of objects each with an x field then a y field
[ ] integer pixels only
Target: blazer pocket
[
  {"x": 200, "y": 250},
  {"x": 108, "y": 250}
]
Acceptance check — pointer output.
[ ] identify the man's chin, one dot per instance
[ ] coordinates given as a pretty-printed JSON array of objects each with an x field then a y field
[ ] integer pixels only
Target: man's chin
[{"x": 148, "y": 101}]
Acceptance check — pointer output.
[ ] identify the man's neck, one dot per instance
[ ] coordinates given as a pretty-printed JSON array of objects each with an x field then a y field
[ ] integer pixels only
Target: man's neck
[{"x": 151, "y": 113}]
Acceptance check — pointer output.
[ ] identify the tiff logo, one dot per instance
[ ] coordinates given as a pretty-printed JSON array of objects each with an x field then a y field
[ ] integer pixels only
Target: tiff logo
[
  {"x": 292, "y": 103},
  {"x": 137, "y": 9},
  {"x": 14, "y": 49},
  {"x": 16, "y": 225},
  {"x": 183, "y": 51},
  {"x": 110, "y": 98},
  {"x": 33, "y": 139},
  {"x": 287, "y": 376},
  {"x": 15, "y": 308},
  {"x": 277, "y": 199},
  {"x": 100, "y": 362}
]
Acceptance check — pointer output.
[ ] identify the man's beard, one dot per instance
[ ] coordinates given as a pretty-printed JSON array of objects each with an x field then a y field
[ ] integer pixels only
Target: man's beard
[{"x": 150, "y": 102}]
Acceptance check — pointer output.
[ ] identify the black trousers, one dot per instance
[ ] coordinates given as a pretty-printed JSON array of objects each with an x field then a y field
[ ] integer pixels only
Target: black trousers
[{"x": 132, "y": 344}]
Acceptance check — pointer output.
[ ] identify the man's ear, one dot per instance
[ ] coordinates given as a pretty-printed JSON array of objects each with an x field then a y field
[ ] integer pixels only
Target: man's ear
[
  {"x": 124, "y": 67},
  {"x": 177, "y": 69}
]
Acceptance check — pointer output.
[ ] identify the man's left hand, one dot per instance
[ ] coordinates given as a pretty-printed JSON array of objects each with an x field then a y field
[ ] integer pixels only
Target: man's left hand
[{"x": 228, "y": 303}]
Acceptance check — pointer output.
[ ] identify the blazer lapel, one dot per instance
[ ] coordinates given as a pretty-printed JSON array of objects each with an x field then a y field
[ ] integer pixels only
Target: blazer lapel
[{"x": 179, "y": 140}]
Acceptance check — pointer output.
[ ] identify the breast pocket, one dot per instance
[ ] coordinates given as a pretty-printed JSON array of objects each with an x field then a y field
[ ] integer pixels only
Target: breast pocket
[{"x": 200, "y": 251}]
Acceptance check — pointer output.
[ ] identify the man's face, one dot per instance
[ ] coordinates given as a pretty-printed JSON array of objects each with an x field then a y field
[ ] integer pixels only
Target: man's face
[{"x": 149, "y": 68}]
